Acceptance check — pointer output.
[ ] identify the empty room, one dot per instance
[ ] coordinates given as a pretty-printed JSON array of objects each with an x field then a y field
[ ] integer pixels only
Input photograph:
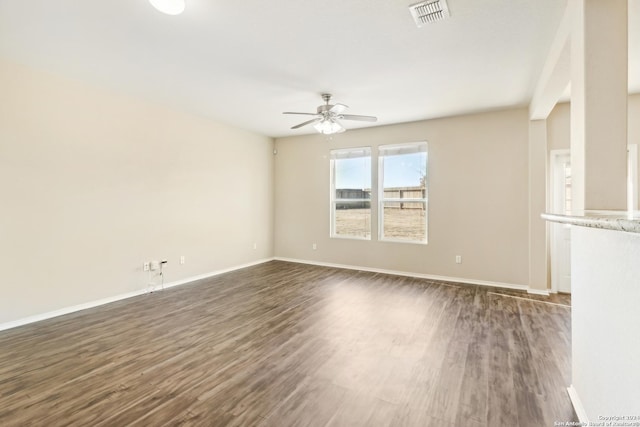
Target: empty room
[{"x": 345, "y": 213}]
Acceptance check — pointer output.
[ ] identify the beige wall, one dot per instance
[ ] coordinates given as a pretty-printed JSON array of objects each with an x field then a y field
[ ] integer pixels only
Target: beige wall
[
  {"x": 559, "y": 125},
  {"x": 634, "y": 121},
  {"x": 538, "y": 256},
  {"x": 478, "y": 199},
  {"x": 94, "y": 183}
]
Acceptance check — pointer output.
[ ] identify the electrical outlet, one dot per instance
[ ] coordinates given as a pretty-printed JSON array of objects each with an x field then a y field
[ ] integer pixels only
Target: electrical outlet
[
  {"x": 458, "y": 259},
  {"x": 183, "y": 259},
  {"x": 145, "y": 266},
  {"x": 255, "y": 246},
  {"x": 314, "y": 246}
]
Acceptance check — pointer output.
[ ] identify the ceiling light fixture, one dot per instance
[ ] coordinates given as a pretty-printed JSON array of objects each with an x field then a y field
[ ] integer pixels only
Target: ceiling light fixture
[
  {"x": 327, "y": 115},
  {"x": 170, "y": 7},
  {"x": 328, "y": 126}
]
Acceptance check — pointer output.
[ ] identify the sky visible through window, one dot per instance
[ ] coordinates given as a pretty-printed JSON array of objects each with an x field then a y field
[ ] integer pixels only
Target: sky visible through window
[{"x": 404, "y": 170}]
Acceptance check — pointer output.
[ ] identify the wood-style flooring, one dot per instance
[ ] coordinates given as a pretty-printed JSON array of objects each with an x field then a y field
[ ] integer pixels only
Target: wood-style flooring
[{"x": 283, "y": 344}]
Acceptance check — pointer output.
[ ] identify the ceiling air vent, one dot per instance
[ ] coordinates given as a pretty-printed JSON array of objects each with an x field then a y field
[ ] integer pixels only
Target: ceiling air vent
[{"x": 429, "y": 11}]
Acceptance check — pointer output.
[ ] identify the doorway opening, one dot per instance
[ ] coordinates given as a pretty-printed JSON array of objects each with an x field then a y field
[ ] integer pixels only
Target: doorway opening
[
  {"x": 560, "y": 234},
  {"x": 560, "y": 200}
]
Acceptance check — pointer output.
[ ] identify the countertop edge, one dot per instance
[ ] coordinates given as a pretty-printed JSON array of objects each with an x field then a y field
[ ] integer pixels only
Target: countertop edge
[{"x": 596, "y": 221}]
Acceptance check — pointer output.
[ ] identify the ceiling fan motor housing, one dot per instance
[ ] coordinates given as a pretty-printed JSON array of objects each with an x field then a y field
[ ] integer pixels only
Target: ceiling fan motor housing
[{"x": 324, "y": 108}]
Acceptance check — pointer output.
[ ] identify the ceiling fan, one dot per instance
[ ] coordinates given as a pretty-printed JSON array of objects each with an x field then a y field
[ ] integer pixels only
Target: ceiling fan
[{"x": 327, "y": 116}]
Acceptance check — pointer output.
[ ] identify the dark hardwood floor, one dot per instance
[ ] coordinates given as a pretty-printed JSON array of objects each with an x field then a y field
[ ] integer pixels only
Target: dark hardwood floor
[{"x": 284, "y": 344}]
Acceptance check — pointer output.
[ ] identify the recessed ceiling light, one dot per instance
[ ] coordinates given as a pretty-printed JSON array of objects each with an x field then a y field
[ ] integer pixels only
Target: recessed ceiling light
[{"x": 170, "y": 7}]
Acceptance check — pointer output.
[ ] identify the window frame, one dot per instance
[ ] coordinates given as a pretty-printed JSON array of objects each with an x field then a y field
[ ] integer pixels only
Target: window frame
[
  {"x": 333, "y": 201},
  {"x": 382, "y": 200}
]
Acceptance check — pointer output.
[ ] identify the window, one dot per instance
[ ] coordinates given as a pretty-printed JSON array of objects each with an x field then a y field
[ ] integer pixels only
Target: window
[
  {"x": 402, "y": 174},
  {"x": 351, "y": 193}
]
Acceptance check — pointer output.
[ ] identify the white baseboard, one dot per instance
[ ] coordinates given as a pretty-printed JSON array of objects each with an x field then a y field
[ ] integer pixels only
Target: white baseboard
[
  {"x": 538, "y": 292},
  {"x": 67, "y": 310},
  {"x": 409, "y": 274},
  {"x": 97, "y": 303},
  {"x": 577, "y": 405}
]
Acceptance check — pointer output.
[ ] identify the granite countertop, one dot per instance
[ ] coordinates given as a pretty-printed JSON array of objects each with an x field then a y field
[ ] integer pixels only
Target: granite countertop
[{"x": 608, "y": 220}]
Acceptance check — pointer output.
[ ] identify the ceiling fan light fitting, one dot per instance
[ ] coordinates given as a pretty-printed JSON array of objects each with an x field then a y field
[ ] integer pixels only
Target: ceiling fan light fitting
[
  {"x": 328, "y": 127},
  {"x": 169, "y": 7}
]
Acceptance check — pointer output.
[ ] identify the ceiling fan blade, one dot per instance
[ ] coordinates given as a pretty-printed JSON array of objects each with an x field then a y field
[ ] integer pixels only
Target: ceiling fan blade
[
  {"x": 338, "y": 108},
  {"x": 306, "y": 114},
  {"x": 356, "y": 117},
  {"x": 308, "y": 122}
]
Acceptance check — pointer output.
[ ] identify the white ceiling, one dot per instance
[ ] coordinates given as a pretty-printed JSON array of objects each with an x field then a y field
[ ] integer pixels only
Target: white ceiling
[{"x": 245, "y": 62}]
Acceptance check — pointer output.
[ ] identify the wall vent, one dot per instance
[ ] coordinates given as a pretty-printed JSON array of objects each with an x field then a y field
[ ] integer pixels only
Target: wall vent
[{"x": 429, "y": 11}]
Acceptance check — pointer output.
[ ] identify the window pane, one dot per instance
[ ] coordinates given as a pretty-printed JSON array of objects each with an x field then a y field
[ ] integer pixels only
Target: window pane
[
  {"x": 353, "y": 219},
  {"x": 403, "y": 171},
  {"x": 405, "y": 221},
  {"x": 353, "y": 177},
  {"x": 407, "y": 171},
  {"x": 351, "y": 193}
]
